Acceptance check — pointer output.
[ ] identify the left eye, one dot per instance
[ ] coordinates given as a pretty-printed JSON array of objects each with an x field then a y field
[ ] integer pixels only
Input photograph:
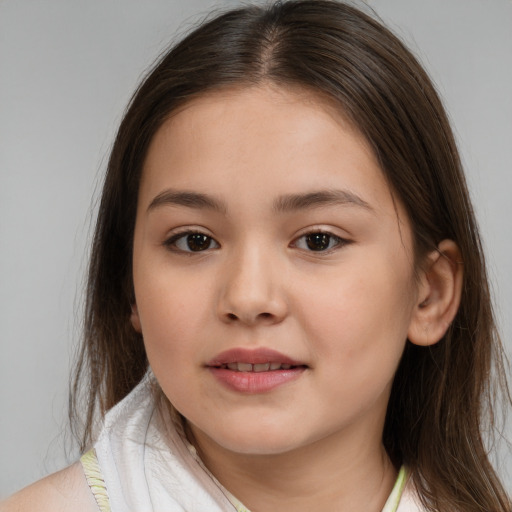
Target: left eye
[
  {"x": 191, "y": 242},
  {"x": 318, "y": 241}
]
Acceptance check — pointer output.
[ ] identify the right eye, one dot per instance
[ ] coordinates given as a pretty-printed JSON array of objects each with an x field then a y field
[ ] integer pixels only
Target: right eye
[{"x": 191, "y": 241}]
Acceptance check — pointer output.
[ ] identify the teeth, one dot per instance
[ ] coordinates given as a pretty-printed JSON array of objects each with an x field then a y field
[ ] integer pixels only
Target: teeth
[
  {"x": 244, "y": 367},
  {"x": 260, "y": 367},
  {"x": 263, "y": 367}
]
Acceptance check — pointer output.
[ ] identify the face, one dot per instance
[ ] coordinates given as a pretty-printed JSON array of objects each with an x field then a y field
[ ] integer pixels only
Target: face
[{"x": 273, "y": 272}]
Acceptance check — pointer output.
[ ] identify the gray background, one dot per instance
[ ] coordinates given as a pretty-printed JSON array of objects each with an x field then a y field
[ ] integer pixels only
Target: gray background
[{"x": 67, "y": 70}]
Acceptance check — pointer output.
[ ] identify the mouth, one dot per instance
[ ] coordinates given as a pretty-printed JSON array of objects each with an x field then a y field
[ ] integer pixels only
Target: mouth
[
  {"x": 258, "y": 367},
  {"x": 255, "y": 371},
  {"x": 256, "y": 360}
]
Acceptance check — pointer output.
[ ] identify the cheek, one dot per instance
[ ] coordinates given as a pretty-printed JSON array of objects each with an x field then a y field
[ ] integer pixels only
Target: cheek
[
  {"x": 359, "y": 321},
  {"x": 167, "y": 298},
  {"x": 170, "y": 339},
  {"x": 171, "y": 311}
]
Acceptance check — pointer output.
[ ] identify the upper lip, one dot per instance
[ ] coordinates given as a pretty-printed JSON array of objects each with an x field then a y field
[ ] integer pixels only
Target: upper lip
[{"x": 253, "y": 356}]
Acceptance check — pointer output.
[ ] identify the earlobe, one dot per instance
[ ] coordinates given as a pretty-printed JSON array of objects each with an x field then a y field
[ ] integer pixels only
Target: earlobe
[
  {"x": 134, "y": 318},
  {"x": 438, "y": 295}
]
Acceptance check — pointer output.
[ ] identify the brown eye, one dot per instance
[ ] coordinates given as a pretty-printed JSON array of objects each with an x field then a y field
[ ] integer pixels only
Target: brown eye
[
  {"x": 198, "y": 242},
  {"x": 319, "y": 241},
  {"x": 191, "y": 242}
]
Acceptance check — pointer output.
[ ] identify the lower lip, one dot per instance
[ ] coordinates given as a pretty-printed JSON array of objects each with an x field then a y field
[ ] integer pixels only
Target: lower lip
[{"x": 256, "y": 382}]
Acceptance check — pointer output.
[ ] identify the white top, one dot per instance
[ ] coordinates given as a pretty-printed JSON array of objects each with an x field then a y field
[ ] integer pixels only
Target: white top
[{"x": 141, "y": 470}]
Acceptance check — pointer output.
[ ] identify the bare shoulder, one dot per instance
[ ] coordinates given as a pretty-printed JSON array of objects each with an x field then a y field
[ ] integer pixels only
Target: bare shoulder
[{"x": 64, "y": 490}]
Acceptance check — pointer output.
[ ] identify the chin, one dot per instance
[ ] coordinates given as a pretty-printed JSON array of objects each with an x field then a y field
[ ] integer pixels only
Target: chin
[{"x": 258, "y": 440}]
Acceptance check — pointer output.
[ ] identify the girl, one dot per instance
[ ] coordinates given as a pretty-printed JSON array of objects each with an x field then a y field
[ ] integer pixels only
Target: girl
[{"x": 287, "y": 303}]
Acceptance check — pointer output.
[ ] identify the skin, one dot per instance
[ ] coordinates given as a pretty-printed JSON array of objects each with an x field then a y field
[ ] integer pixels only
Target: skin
[
  {"x": 60, "y": 492},
  {"x": 344, "y": 313}
]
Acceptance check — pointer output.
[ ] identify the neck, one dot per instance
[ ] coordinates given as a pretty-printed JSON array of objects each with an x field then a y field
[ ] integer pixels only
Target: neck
[{"x": 342, "y": 472}]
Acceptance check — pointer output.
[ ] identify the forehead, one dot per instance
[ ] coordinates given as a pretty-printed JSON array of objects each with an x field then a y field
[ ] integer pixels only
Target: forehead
[
  {"x": 248, "y": 139},
  {"x": 259, "y": 110}
]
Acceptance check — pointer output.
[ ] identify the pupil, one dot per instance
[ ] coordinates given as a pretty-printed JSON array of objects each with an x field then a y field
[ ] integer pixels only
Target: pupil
[
  {"x": 318, "y": 241},
  {"x": 198, "y": 242}
]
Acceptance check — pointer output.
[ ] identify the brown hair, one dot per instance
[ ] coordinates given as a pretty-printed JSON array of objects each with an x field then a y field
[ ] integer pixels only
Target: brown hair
[{"x": 441, "y": 394}]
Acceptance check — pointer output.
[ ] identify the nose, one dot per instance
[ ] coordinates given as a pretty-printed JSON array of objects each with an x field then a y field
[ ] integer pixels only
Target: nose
[{"x": 252, "y": 290}]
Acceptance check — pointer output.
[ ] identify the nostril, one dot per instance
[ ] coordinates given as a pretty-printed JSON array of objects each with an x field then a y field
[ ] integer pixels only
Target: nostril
[{"x": 259, "y": 316}]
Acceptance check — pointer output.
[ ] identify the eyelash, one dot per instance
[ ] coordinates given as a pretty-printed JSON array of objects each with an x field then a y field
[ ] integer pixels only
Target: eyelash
[
  {"x": 171, "y": 243},
  {"x": 338, "y": 241}
]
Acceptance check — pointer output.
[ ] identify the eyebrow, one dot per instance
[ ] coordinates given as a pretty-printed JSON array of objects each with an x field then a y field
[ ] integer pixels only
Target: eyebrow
[
  {"x": 283, "y": 204},
  {"x": 319, "y": 198},
  {"x": 188, "y": 199}
]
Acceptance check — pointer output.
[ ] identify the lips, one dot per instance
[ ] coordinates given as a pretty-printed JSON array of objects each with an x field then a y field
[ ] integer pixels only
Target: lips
[
  {"x": 254, "y": 371},
  {"x": 260, "y": 367},
  {"x": 253, "y": 357}
]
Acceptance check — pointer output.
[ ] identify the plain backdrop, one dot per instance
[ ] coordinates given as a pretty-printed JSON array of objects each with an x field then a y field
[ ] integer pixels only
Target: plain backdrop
[{"x": 67, "y": 70}]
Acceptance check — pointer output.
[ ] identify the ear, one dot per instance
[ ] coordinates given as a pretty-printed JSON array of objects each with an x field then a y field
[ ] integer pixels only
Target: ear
[
  {"x": 439, "y": 294},
  {"x": 135, "y": 319}
]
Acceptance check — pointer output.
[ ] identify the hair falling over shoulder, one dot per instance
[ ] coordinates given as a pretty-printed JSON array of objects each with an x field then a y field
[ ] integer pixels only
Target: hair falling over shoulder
[{"x": 442, "y": 402}]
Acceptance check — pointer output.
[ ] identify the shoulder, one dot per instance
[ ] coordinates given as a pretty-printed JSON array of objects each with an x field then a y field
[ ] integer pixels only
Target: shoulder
[{"x": 62, "y": 491}]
